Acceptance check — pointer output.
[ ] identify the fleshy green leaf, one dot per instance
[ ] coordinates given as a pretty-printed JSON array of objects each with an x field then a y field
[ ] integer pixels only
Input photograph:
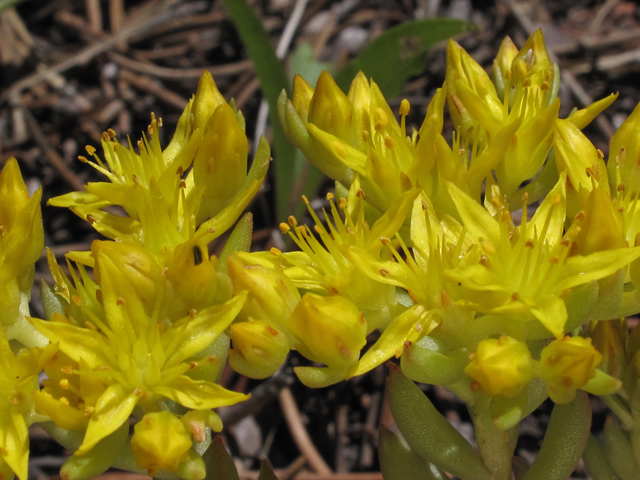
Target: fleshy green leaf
[
  {"x": 564, "y": 440},
  {"x": 428, "y": 433},
  {"x": 399, "y": 462}
]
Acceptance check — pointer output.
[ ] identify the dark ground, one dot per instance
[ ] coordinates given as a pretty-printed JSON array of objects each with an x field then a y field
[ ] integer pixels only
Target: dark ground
[{"x": 65, "y": 77}]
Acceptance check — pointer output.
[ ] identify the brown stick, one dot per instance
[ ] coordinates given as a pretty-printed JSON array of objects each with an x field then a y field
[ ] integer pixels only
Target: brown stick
[
  {"x": 151, "y": 17},
  {"x": 300, "y": 434},
  {"x": 54, "y": 159},
  {"x": 179, "y": 73}
]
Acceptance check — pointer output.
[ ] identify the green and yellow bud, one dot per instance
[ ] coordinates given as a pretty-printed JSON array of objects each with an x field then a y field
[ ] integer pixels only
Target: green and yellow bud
[
  {"x": 197, "y": 421},
  {"x": 21, "y": 243},
  {"x": 272, "y": 295},
  {"x": 220, "y": 166},
  {"x": 329, "y": 330},
  {"x": 471, "y": 95},
  {"x": 192, "y": 276},
  {"x": 501, "y": 367},
  {"x": 259, "y": 348},
  {"x": 160, "y": 442},
  {"x": 330, "y": 110},
  {"x": 601, "y": 224},
  {"x": 567, "y": 365},
  {"x": 207, "y": 99},
  {"x": 576, "y": 155},
  {"x": 135, "y": 263},
  {"x": 501, "y": 71}
]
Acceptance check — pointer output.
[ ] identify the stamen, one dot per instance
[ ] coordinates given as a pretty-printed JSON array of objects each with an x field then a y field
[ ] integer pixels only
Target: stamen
[
  {"x": 405, "y": 106},
  {"x": 284, "y": 228}
]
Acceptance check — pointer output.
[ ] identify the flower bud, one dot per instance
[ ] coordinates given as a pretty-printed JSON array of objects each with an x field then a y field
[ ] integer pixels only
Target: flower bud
[
  {"x": 259, "y": 348},
  {"x": 501, "y": 71},
  {"x": 192, "y": 275},
  {"x": 196, "y": 421},
  {"x": 159, "y": 441},
  {"x": 301, "y": 96},
  {"x": 501, "y": 367},
  {"x": 330, "y": 109},
  {"x": 220, "y": 166},
  {"x": 133, "y": 262},
  {"x": 601, "y": 224},
  {"x": 272, "y": 295},
  {"x": 207, "y": 99},
  {"x": 567, "y": 365},
  {"x": 329, "y": 330}
]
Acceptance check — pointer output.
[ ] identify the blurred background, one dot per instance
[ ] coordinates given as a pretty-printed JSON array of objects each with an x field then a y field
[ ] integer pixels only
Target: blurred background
[{"x": 71, "y": 69}]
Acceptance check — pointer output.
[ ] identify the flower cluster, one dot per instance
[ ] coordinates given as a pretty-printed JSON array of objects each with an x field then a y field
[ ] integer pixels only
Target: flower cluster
[
  {"x": 434, "y": 244},
  {"x": 144, "y": 336},
  {"x": 496, "y": 265}
]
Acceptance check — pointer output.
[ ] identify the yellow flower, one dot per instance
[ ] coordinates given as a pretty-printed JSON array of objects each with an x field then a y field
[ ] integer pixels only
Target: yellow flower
[
  {"x": 528, "y": 269},
  {"x": 433, "y": 304},
  {"x": 18, "y": 382},
  {"x": 501, "y": 367},
  {"x": 165, "y": 205},
  {"x": 139, "y": 358},
  {"x": 21, "y": 243}
]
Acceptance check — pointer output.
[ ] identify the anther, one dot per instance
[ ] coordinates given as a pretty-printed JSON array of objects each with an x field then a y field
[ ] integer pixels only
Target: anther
[
  {"x": 292, "y": 221},
  {"x": 90, "y": 150},
  {"x": 192, "y": 313},
  {"x": 342, "y": 203},
  {"x": 284, "y": 228},
  {"x": 381, "y": 120},
  {"x": 105, "y": 137},
  {"x": 305, "y": 199},
  {"x": 120, "y": 301},
  {"x": 385, "y": 241},
  {"x": 600, "y": 153},
  {"x": 83, "y": 159},
  {"x": 64, "y": 384},
  {"x": 384, "y": 272},
  {"x": 388, "y": 142},
  {"x": 529, "y": 243},
  {"x": 91, "y": 219},
  {"x": 330, "y": 196},
  {"x": 275, "y": 251},
  {"x": 111, "y": 132},
  {"x": 621, "y": 187},
  {"x": 405, "y": 106},
  {"x": 360, "y": 193},
  {"x": 579, "y": 216}
]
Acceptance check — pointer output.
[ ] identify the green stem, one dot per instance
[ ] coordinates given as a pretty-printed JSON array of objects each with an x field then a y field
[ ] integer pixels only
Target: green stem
[
  {"x": 493, "y": 444},
  {"x": 619, "y": 409}
]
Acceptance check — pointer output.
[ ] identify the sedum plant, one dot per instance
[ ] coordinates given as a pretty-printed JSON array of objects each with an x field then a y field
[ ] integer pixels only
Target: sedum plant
[{"x": 500, "y": 265}]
